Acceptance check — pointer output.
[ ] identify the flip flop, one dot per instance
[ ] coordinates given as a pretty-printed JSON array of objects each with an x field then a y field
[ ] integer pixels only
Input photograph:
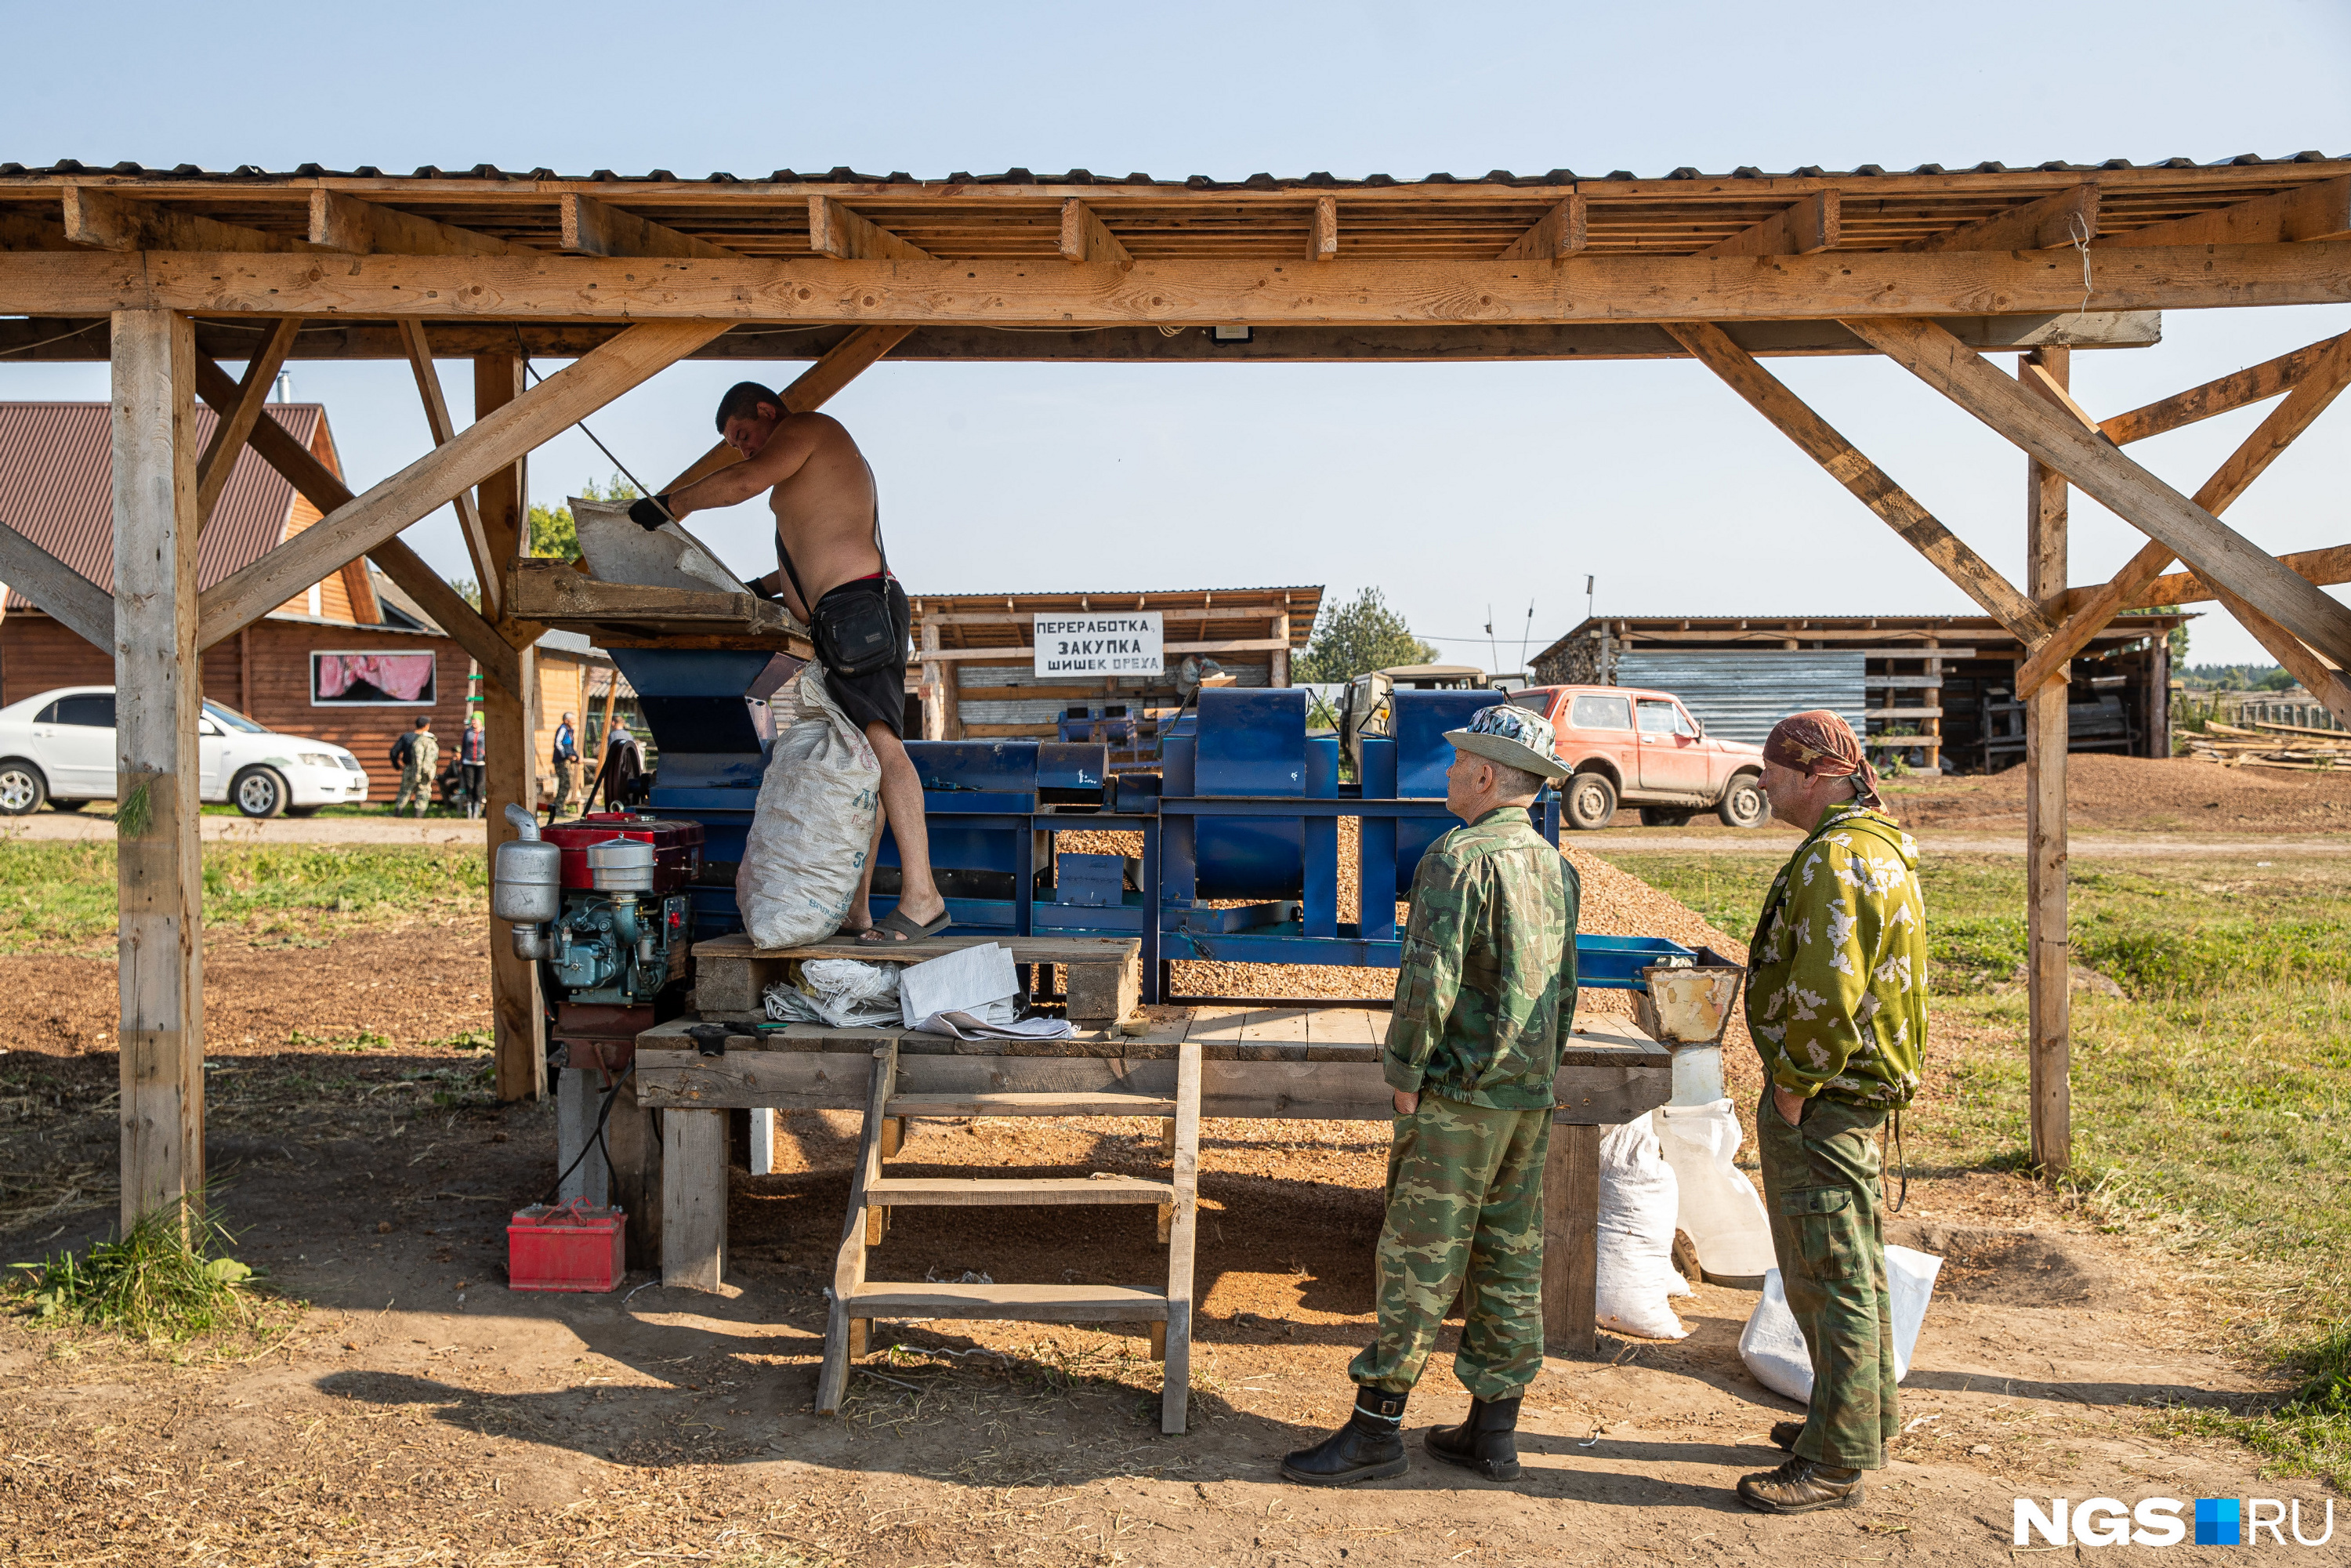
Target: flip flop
[{"x": 901, "y": 929}]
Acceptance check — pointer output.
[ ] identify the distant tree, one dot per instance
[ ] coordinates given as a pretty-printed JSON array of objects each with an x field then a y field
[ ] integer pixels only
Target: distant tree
[
  {"x": 467, "y": 590},
  {"x": 554, "y": 534},
  {"x": 2278, "y": 680},
  {"x": 1360, "y": 635}
]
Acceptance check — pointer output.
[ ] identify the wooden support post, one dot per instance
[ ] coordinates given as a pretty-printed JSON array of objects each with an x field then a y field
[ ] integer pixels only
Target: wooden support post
[
  {"x": 510, "y": 720},
  {"x": 578, "y": 1098},
  {"x": 1278, "y": 673},
  {"x": 160, "y": 874},
  {"x": 694, "y": 1199},
  {"x": 763, "y": 1140},
  {"x": 1570, "y": 1282},
  {"x": 934, "y": 697},
  {"x": 2048, "y": 973}
]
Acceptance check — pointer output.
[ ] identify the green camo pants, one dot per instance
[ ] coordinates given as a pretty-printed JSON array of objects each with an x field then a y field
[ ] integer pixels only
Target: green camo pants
[
  {"x": 415, "y": 785},
  {"x": 1821, "y": 1184},
  {"x": 1464, "y": 1204}
]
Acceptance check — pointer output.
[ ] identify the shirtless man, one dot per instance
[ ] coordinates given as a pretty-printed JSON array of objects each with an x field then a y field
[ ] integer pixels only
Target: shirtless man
[{"x": 829, "y": 545}]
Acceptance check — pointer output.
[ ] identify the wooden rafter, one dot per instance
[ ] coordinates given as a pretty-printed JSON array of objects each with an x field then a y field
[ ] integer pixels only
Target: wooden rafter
[
  {"x": 2313, "y": 212},
  {"x": 2320, "y": 385},
  {"x": 1085, "y": 239},
  {"x": 346, "y": 224},
  {"x": 2062, "y": 217},
  {"x": 2252, "y": 384},
  {"x": 65, "y": 595},
  {"x": 444, "y": 431},
  {"x": 1323, "y": 245},
  {"x": 2323, "y": 566},
  {"x": 1869, "y": 484},
  {"x": 1812, "y": 225},
  {"x": 836, "y": 231},
  {"x": 2226, "y": 558},
  {"x": 1558, "y": 235},
  {"x": 433, "y": 480},
  {"x": 317, "y": 485},
  {"x": 229, "y": 439},
  {"x": 109, "y": 222},
  {"x": 591, "y": 227},
  {"x": 1840, "y": 285},
  {"x": 815, "y": 386}
]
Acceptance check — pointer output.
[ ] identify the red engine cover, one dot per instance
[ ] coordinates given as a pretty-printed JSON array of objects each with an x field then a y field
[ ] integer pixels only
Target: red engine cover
[{"x": 677, "y": 846}]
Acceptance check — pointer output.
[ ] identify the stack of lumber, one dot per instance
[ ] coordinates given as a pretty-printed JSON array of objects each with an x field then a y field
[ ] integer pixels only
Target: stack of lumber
[{"x": 2262, "y": 745}]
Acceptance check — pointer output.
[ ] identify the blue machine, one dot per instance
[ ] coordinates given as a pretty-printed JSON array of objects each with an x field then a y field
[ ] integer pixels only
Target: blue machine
[{"x": 1243, "y": 814}]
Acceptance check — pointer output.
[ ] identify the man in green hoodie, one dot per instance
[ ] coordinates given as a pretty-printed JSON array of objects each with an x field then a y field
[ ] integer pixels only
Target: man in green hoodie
[
  {"x": 1836, "y": 1001},
  {"x": 1483, "y": 1004}
]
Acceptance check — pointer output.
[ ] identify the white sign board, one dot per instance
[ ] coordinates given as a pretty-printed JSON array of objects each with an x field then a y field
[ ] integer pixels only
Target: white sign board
[{"x": 1077, "y": 647}]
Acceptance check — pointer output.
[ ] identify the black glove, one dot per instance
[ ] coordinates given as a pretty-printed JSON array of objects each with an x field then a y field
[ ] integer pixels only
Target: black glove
[{"x": 651, "y": 512}]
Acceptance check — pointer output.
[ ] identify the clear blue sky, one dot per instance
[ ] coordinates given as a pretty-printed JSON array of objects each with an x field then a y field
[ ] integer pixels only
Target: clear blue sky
[{"x": 1453, "y": 488}]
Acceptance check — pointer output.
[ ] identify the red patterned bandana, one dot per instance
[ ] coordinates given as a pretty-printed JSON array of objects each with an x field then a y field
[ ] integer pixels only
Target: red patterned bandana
[{"x": 1818, "y": 743}]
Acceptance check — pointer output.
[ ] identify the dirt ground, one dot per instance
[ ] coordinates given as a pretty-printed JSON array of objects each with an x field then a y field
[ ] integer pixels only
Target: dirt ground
[
  {"x": 2107, "y": 792},
  {"x": 421, "y": 1412}
]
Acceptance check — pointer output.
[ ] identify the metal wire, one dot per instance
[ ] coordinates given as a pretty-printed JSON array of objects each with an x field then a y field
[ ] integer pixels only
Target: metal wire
[{"x": 532, "y": 372}]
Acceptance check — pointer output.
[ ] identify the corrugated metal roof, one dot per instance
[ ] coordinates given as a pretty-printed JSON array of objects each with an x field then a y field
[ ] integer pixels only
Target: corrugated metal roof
[
  {"x": 57, "y": 488},
  {"x": 1741, "y": 696}
]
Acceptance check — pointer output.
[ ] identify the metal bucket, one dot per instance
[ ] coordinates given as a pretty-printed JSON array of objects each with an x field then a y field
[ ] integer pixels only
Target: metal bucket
[{"x": 1689, "y": 1004}]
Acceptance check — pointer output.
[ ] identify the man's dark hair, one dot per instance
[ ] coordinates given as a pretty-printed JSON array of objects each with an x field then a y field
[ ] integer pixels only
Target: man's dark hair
[
  {"x": 422, "y": 723},
  {"x": 743, "y": 400}
]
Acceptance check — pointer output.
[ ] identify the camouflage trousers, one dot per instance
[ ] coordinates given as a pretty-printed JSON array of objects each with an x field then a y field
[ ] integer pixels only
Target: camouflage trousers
[
  {"x": 1465, "y": 1217},
  {"x": 413, "y": 784},
  {"x": 1828, "y": 1228}
]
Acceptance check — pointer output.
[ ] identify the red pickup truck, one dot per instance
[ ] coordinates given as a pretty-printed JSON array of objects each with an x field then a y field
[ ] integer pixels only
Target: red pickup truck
[{"x": 1643, "y": 748}]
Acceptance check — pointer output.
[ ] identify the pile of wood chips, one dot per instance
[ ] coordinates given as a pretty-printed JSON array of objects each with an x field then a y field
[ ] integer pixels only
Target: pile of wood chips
[{"x": 2258, "y": 744}]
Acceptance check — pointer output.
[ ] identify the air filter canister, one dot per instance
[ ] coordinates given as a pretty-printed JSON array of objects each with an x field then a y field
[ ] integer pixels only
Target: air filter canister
[{"x": 621, "y": 865}]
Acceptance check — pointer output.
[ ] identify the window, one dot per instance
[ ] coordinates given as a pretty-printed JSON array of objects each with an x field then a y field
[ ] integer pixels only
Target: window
[
  {"x": 1664, "y": 718},
  {"x": 1600, "y": 713},
  {"x": 229, "y": 718},
  {"x": 372, "y": 679},
  {"x": 95, "y": 709},
  {"x": 1536, "y": 697}
]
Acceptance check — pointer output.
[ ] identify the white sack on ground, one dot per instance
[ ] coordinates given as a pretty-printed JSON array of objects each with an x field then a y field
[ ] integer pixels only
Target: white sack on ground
[
  {"x": 1637, "y": 1207},
  {"x": 813, "y": 826},
  {"x": 844, "y": 993},
  {"x": 1719, "y": 1206},
  {"x": 1774, "y": 1347}
]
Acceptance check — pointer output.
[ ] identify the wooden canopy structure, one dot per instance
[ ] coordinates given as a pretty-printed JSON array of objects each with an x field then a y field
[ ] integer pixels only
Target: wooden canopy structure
[{"x": 166, "y": 273}]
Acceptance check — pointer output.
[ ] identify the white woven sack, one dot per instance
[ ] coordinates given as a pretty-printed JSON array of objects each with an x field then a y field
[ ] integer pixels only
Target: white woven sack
[
  {"x": 1774, "y": 1347},
  {"x": 813, "y": 826},
  {"x": 1719, "y": 1206},
  {"x": 1638, "y": 1202}
]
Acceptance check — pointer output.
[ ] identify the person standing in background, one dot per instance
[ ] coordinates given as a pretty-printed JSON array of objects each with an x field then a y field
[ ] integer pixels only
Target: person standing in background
[
  {"x": 418, "y": 754},
  {"x": 567, "y": 765},
  {"x": 472, "y": 761}
]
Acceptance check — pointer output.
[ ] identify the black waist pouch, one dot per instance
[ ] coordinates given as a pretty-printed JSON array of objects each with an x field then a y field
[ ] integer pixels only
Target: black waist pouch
[{"x": 856, "y": 628}]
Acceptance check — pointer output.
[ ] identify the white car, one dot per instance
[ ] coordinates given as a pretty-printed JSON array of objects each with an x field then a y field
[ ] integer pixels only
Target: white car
[{"x": 60, "y": 747}]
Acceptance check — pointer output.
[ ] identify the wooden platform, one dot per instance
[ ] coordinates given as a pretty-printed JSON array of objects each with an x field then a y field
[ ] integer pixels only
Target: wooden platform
[
  {"x": 631, "y": 615},
  {"x": 732, "y": 974}
]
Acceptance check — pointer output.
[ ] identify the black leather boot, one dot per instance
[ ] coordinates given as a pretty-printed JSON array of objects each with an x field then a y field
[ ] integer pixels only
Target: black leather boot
[
  {"x": 1369, "y": 1448},
  {"x": 1487, "y": 1442}
]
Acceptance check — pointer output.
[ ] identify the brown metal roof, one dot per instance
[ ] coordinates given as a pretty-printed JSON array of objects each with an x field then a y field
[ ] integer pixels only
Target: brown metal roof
[
  {"x": 1192, "y": 614},
  {"x": 56, "y": 478}
]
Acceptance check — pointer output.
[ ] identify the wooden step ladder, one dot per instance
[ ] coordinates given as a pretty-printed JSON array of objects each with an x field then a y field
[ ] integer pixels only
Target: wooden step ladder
[{"x": 856, "y": 1301}]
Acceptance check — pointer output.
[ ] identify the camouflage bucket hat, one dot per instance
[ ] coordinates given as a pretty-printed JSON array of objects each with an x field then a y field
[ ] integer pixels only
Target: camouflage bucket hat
[{"x": 1514, "y": 737}]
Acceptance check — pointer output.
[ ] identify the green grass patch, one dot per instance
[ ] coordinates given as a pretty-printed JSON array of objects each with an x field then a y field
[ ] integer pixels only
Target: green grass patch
[
  {"x": 2211, "y": 1101},
  {"x": 170, "y": 1279},
  {"x": 56, "y": 895}
]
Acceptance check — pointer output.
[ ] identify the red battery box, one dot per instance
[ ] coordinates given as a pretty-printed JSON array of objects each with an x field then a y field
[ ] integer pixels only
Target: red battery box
[{"x": 569, "y": 1247}]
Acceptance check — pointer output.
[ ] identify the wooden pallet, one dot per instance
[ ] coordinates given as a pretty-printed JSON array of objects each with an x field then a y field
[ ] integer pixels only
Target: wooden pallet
[
  {"x": 857, "y": 1301},
  {"x": 731, "y": 974}
]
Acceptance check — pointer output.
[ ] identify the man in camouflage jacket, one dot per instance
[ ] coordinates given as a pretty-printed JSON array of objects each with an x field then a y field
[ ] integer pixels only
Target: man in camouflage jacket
[
  {"x": 1836, "y": 1000},
  {"x": 1483, "y": 1004}
]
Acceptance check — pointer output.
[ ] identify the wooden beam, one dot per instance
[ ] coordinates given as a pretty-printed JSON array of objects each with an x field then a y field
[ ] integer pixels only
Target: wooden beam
[
  {"x": 845, "y": 236},
  {"x": 1812, "y": 225},
  {"x": 2062, "y": 217},
  {"x": 1085, "y": 239},
  {"x": 433, "y": 480},
  {"x": 2047, "y": 739},
  {"x": 2326, "y": 379},
  {"x": 2318, "y": 211},
  {"x": 2252, "y": 384},
  {"x": 437, "y": 419},
  {"x": 2323, "y": 566},
  {"x": 1612, "y": 289},
  {"x": 65, "y": 595},
  {"x": 2033, "y": 371},
  {"x": 1869, "y": 484},
  {"x": 1556, "y": 236},
  {"x": 107, "y": 222},
  {"x": 235, "y": 423},
  {"x": 1323, "y": 244},
  {"x": 22, "y": 228},
  {"x": 2226, "y": 558},
  {"x": 591, "y": 227},
  {"x": 1024, "y": 656},
  {"x": 160, "y": 878},
  {"x": 2318, "y": 676},
  {"x": 346, "y": 224}
]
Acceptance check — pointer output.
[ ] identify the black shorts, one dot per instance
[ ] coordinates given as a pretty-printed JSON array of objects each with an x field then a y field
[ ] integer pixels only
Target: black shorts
[{"x": 877, "y": 696}]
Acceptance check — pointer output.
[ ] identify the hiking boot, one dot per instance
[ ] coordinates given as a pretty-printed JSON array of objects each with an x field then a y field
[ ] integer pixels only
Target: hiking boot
[
  {"x": 1487, "y": 1442},
  {"x": 1369, "y": 1448},
  {"x": 1799, "y": 1486},
  {"x": 1785, "y": 1433}
]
